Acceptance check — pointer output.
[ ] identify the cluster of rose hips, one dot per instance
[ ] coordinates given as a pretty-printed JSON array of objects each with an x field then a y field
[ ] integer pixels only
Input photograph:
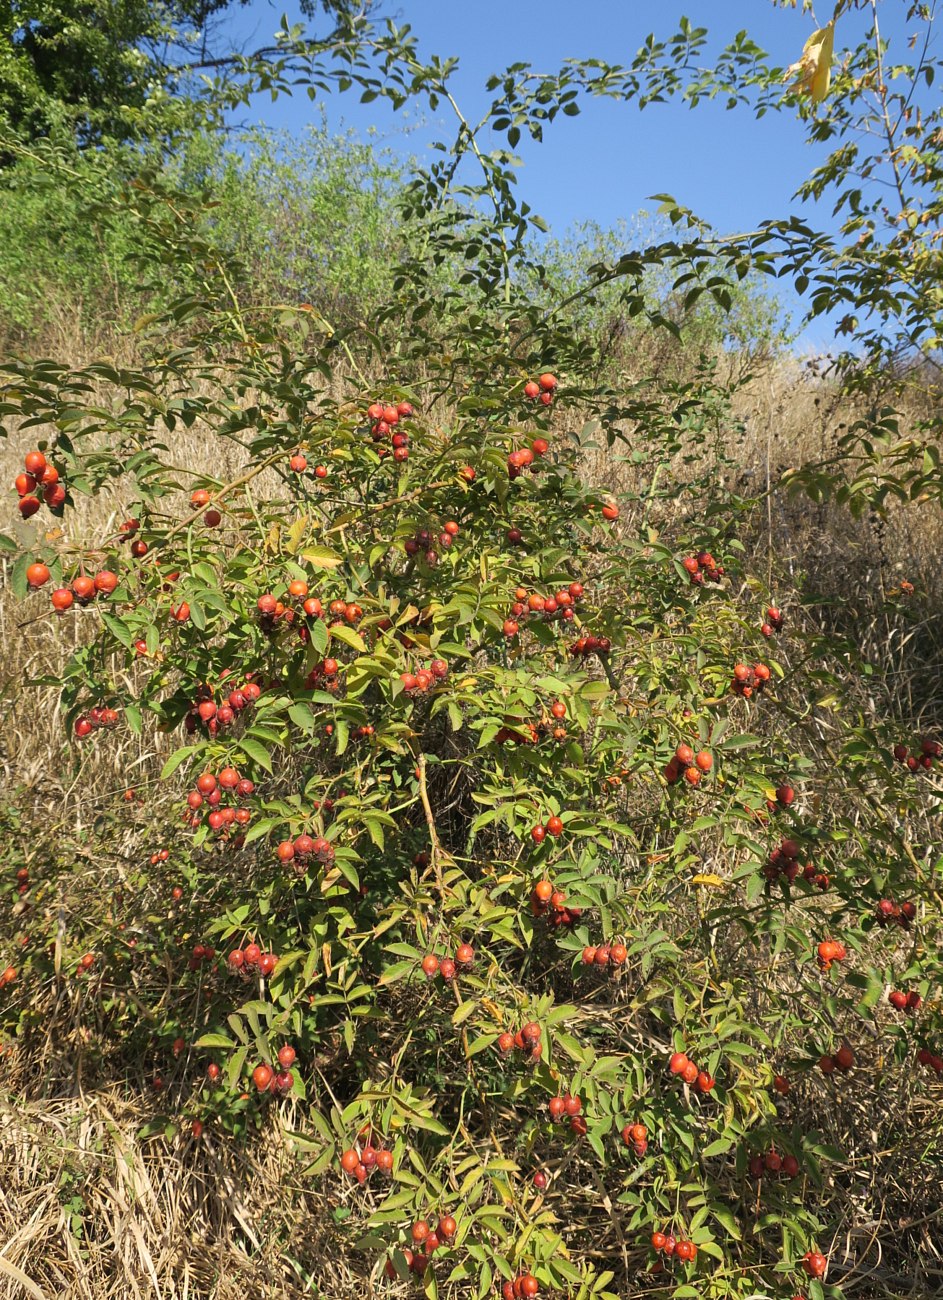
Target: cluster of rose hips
[
  {"x": 783, "y": 862},
  {"x": 304, "y": 847},
  {"x": 323, "y": 676},
  {"x": 589, "y": 645},
  {"x": 531, "y": 733},
  {"x": 419, "y": 682},
  {"x": 22, "y": 880},
  {"x": 773, "y": 1163},
  {"x": 685, "y": 763},
  {"x": 636, "y": 1137},
  {"x": 127, "y": 532},
  {"x": 430, "y": 1239},
  {"x": 682, "y": 1065},
  {"x": 202, "y": 952},
  {"x": 82, "y": 589},
  {"x": 567, "y": 1107},
  {"x": 268, "y": 1080},
  {"x": 449, "y": 967},
  {"x": 559, "y": 606},
  {"x": 702, "y": 568},
  {"x": 606, "y": 957},
  {"x": 666, "y": 1244},
  {"x": 542, "y": 390},
  {"x": 360, "y": 1160},
  {"x": 888, "y": 911},
  {"x": 526, "y": 457},
  {"x": 339, "y": 610},
  {"x": 204, "y": 711},
  {"x": 930, "y": 1059},
  {"x": 544, "y": 727},
  {"x": 828, "y": 951},
  {"x": 423, "y": 542},
  {"x": 551, "y": 903},
  {"x": 745, "y": 681},
  {"x": 252, "y": 958},
  {"x": 209, "y": 792},
  {"x": 904, "y": 1001},
  {"x": 85, "y": 964},
  {"x": 526, "y": 1041},
  {"x": 384, "y": 419},
  {"x": 416, "y": 1262},
  {"x": 200, "y": 498},
  {"x": 553, "y": 826},
  {"x": 38, "y": 473},
  {"x": 524, "y": 1286},
  {"x": 298, "y": 463},
  {"x": 842, "y": 1060},
  {"x": 271, "y": 609},
  {"x": 773, "y": 622},
  {"x": 95, "y": 719},
  {"x": 929, "y": 750}
]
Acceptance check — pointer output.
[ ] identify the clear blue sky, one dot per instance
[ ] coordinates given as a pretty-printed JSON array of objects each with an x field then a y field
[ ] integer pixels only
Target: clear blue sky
[{"x": 733, "y": 170}]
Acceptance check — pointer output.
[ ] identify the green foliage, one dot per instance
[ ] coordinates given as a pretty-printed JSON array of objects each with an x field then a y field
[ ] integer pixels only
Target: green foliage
[
  {"x": 751, "y": 327},
  {"x": 309, "y": 219},
  {"x": 86, "y": 71},
  {"x": 304, "y": 221},
  {"x": 111, "y": 70}
]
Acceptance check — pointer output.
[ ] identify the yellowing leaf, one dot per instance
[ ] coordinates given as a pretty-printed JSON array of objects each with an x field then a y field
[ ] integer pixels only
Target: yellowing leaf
[
  {"x": 814, "y": 70},
  {"x": 709, "y": 878},
  {"x": 295, "y": 533},
  {"x": 322, "y": 557},
  {"x": 341, "y": 632}
]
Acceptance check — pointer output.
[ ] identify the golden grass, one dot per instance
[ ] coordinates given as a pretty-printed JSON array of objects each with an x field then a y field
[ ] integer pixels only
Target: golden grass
[{"x": 92, "y": 1212}]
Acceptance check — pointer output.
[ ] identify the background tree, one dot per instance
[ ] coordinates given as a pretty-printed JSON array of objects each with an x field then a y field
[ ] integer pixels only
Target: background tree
[{"x": 98, "y": 69}]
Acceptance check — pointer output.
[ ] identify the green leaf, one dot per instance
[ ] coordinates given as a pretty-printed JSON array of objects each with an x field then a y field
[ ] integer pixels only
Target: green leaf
[
  {"x": 119, "y": 631},
  {"x": 463, "y": 1012},
  {"x": 255, "y": 750},
  {"x": 215, "y": 1040},
  {"x": 319, "y": 637},
  {"x": 341, "y": 632},
  {"x": 180, "y": 756},
  {"x": 302, "y": 716}
]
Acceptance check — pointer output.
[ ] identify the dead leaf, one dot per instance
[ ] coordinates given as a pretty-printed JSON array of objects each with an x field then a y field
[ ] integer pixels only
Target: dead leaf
[{"x": 814, "y": 70}]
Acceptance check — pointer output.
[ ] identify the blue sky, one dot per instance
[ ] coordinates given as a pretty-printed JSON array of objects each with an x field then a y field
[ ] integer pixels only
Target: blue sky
[{"x": 603, "y": 165}]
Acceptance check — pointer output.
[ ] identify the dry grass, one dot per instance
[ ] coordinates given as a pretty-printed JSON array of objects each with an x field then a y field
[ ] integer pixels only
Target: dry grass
[{"x": 93, "y": 1212}]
